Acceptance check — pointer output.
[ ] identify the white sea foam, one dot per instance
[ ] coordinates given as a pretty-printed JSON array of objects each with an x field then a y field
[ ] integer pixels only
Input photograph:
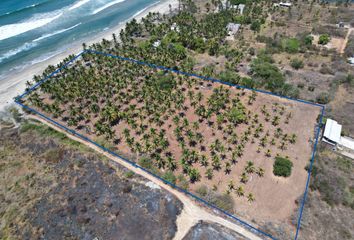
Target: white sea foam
[
  {"x": 78, "y": 4},
  {"x": 107, "y": 6},
  {"x": 13, "y": 52},
  {"x": 38, "y": 21},
  {"x": 55, "y": 33}
]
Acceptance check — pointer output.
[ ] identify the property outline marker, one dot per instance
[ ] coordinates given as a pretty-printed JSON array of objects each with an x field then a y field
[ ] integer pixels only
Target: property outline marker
[{"x": 73, "y": 132}]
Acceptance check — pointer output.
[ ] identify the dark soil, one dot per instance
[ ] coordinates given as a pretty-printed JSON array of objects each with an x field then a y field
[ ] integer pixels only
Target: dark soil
[{"x": 58, "y": 192}]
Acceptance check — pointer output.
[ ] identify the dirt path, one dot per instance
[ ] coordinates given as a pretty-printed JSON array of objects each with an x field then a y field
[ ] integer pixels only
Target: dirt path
[
  {"x": 191, "y": 213},
  {"x": 346, "y": 40}
]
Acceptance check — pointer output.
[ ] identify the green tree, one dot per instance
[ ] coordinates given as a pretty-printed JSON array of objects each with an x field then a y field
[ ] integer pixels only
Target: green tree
[
  {"x": 324, "y": 39},
  {"x": 282, "y": 167}
]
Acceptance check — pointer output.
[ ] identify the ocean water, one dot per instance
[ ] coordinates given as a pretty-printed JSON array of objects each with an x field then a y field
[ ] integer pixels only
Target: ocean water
[{"x": 32, "y": 31}]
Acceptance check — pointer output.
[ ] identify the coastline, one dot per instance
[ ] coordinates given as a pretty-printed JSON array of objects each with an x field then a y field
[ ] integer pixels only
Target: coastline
[{"x": 15, "y": 83}]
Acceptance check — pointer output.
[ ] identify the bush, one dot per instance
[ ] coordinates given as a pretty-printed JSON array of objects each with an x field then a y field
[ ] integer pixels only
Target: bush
[
  {"x": 282, "y": 167},
  {"x": 267, "y": 74},
  {"x": 225, "y": 202},
  {"x": 170, "y": 177},
  {"x": 296, "y": 63},
  {"x": 324, "y": 39},
  {"x": 291, "y": 45},
  {"x": 323, "y": 98},
  {"x": 129, "y": 174},
  {"x": 202, "y": 191},
  {"x": 146, "y": 163},
  {"x": 183, "y": 182},
  {"x": 256, "y": 26}
]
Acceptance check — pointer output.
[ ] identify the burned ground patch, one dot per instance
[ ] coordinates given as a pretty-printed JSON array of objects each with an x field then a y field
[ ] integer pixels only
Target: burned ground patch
[{"x": 53, "y": 190}]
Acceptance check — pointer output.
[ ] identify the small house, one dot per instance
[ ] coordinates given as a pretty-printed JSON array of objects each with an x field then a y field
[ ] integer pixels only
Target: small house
[
  {"x": 232, "y": 29},
  {"x": 285, "y": 4},
  {"x": 241, "y": 7},
  {"x": 175, "y": 27},
  {"x": 351, "y": 60},
  {"x": 332, "y": 132},
  {"x": 156, "y": 44}
]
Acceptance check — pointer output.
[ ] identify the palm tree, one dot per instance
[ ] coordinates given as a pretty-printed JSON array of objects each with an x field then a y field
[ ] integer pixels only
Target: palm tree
[
  {"x": 240, "y": 191},
  {"x": 260, "y": 172},
  {"x": 227, "y": 167},
  {"x": 203, "y": 160},
  {"x": 194, "y": 175},
  {"x": 171, "y": 163},
  {"x": 250, "y": 197},
  {"x": 244, "y": 178},
  {"x": 231, "y": 185},
  {"x": 268, "y": 153},
  {"x": 250, "y": 168},
  {"x": 292, "y": 138},
  {"x": 209, "y": 173},
  {"x": 216, "y": 162}
]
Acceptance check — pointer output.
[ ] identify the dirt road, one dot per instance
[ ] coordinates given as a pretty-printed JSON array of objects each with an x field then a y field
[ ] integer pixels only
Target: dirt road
[
  {"x": 191, "y": 213},
  {"x": 350, "y": 30}
]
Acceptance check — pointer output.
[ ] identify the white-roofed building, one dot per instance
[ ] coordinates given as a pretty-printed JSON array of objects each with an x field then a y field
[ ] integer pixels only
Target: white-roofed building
[
  {"x": 156, "y": 44},
  {"x": 232, "y": 29},
  {"x": 351, "y": 60},
  {"x": 285, "y": 4},
  {"x": 332, "y": 132}
]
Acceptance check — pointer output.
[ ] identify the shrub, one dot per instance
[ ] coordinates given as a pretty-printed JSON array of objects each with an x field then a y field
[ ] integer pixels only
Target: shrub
[
  {"x": 202, "y": 191},
  {"x": 311, "y": 88},
  {"x": 323, "y": 98},
  {"x": 324, "y": 39},
  {"x": 267, "y": 74},
  {"x": 282, "y": 167},
  {"x": 308, "y": 40},
  {"x": 225, "y": 202},
  {"x": 296, "y": 63},
  {"x": 146, "y": 163},
  {"x": 182, "y": 182},
  {"x": 129, "y": 174},
  {"x": 291, "y": 45},
  {"x": 256, "y": 26},
  {"x": 170, "y": 177}
]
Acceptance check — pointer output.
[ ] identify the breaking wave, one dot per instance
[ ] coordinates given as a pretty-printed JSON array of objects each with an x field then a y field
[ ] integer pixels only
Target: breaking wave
[
  {"x": 13, "y": 52},
  {"x": 55, "y": 33},
  {"x": 107, "y": 6},
  {"x": 11, "y": 30},
  {"x": 78, "y": 4}
]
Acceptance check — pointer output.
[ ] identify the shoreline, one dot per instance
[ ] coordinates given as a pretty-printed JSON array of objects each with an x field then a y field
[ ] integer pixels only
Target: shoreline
[{"x": 15, "y": 83}]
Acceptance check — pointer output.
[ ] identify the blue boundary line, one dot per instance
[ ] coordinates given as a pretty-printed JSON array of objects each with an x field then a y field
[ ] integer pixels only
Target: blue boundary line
[{"x": 73, "y": 132}]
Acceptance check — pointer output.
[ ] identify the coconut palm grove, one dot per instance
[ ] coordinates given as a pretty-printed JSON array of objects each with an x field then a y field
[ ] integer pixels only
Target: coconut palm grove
[{"x": 217, "y": 141}]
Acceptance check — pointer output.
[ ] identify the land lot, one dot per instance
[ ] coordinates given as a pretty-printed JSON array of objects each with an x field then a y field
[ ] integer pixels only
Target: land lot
[{"x": 217, "y": 141}]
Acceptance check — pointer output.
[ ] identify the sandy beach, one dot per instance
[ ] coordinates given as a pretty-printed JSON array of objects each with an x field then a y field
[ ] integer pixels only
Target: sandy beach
[{"x": 15, "y": 83}]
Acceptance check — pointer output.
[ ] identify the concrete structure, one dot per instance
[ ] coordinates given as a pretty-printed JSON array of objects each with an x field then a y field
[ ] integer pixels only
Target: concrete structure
[
  {"x": 351, "y": 60},
  {"x": 226, "y": 5},
  {"x": 232, "y": 29},
  {"x": 282, "y": 4},
  {"x": 175, "y": 27},
  {"x": 241, "y": 7},
  {"x": 332, "y": 135},
  {"x": 332, "y": 132},
  {"x": 156, "y": 44},
  {"x": 285, "y": 4}
]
